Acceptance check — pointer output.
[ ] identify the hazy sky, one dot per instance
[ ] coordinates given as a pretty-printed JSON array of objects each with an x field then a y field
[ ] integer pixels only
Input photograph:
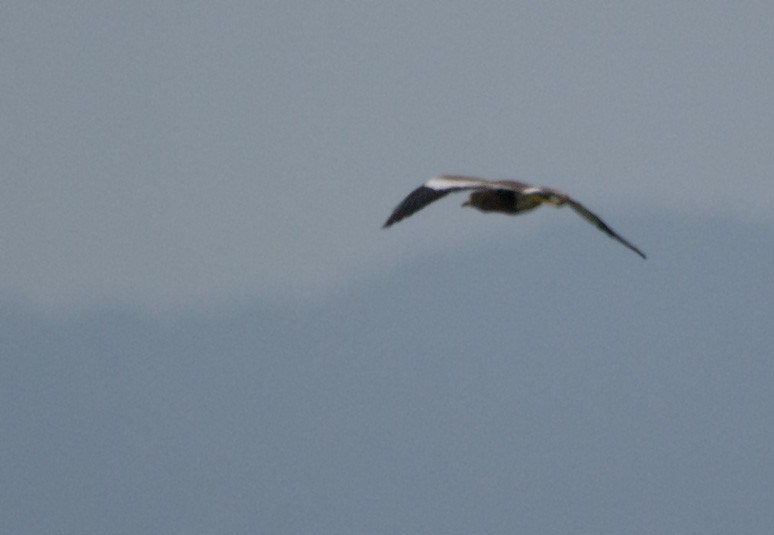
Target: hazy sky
[
  {"x": 173, "y": 152},
  {"x": 203, "y": 328}
]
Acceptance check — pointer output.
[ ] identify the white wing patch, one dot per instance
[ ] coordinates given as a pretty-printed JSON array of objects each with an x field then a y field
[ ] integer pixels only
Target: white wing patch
[
  {"x": 440, "y": 183},
  {"x": 530, "y": 190}
]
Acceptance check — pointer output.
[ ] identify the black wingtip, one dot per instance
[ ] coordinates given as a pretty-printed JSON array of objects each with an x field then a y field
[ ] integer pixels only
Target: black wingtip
[
  {"x": 636, "y": 250},
  {"x": 415, "y": 201},
  {"x": 391, "y": 220}
]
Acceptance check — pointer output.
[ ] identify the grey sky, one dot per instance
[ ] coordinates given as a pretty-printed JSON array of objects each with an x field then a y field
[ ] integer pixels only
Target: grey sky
[
  {"x": 165, "y": 153},
  {"x": 230, "y": 165},
  {"x": 535, "y": 397}
]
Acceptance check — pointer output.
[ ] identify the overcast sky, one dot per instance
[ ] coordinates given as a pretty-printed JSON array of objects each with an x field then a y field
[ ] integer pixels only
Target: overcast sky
[
  {"x": 177, "y": 153},
  {"x": 203, "y": 328}
]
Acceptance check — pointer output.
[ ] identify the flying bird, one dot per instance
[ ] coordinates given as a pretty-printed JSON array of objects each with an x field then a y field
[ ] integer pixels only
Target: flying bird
[{"x": 506, "y": 196}]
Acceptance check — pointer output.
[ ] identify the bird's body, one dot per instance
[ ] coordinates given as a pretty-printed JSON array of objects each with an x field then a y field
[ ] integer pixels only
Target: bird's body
[{"x": 505, "y": 196}]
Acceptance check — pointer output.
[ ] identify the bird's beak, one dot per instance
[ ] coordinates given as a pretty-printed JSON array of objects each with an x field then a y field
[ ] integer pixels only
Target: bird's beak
[{"x": 466, "y": 203}]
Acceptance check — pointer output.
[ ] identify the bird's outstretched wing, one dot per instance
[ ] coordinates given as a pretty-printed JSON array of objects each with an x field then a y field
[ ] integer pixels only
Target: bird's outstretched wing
[
  {"x": 601, "y": 225},
  {"x": 439, "y": 187},
  {"x": 432, "y": 190}
]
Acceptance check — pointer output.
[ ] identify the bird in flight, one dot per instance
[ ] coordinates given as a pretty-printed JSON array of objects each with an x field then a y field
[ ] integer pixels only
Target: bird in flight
[{"x": 506, "y": 196}]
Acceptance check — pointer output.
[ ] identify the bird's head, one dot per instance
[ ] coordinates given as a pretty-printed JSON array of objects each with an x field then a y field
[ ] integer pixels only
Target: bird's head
[
  {"x": 475, "y": 199},
  {"x": 491, "y": 200}
]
